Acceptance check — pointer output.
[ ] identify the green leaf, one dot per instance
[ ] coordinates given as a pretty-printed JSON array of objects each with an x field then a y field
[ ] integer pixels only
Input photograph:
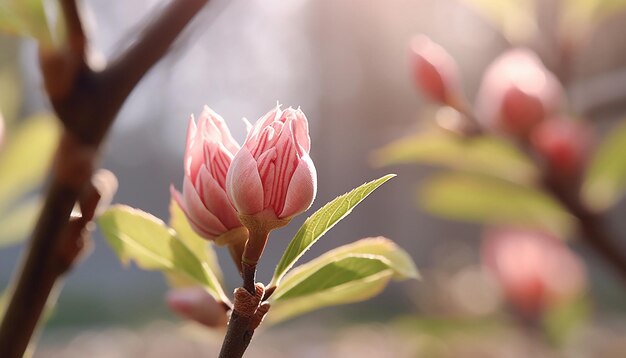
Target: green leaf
[
  {"x": 32, "y": 18},
  {"x": 138, "y": 236},
  {"x": 10, "y": 90},
  {"x": 516, "y": 19},
  {"x": 398, "y": 260},
  {"x": 319, "y": 223},
  {"x": 560, "y": 321},
  {"x": 199, "y": 246},
  {"x": 591, "y": 10},
  {"x": 605, "y": 180},
  {"x": 16, "y": 223},
  {"x": 352, "y": 278},
  {"x": 333, "y": 274},
  {"x": 26, "y": 157},
  {"x": 485, "y": 155},
  {"x": 483, "y": 199}
]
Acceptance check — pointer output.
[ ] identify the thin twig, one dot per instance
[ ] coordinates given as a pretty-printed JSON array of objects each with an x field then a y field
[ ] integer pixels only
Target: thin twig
[{"x": 86, "y": 103}]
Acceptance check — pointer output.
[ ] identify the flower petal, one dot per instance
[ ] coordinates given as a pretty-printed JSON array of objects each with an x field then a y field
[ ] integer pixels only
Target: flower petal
[
  {"x": 302, "y": 189},
  {"x": 198, "y": 212},
  {"x": 194, "y": 156},
  {"x": 243, "y": 183},
  {"x": 220, "y": 130},
  {"x": 177, "y": 196},
  {"x": 216, "y": 201}
]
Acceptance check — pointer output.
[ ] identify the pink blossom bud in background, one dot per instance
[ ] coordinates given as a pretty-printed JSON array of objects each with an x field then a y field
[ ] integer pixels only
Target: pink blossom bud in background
[
  {"x": 196, "y": 304},
  {"x": 564, "y": 144},
  {"x": 210, "y": 150},
  {"x": 517, "y": 93},
  {"x": 273, "y": 173},
  {"x": 435, "y": 72},
  {"x": 535, "y": 270}
]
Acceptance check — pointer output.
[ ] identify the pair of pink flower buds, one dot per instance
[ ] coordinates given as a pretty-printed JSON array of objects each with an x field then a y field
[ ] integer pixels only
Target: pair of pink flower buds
[
  {"x": 270, "y": 178},
  {"x": 518, "y": 97}
]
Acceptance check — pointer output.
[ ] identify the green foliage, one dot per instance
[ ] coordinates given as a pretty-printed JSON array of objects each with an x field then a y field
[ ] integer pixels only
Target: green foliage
[
  {"x": 137, "y": 236},
  {"x": 335, "y": 273},
  {"x": 484, "y": 155},
  {"x": 350, "y": 273},
  {"x": 561, "y": 320},
  {"x": 605, "y": 181},
  {"x": 32, "y": 18},
  {"x": 10, "y": 91},
  {"x": 483, "y": 199},
  {"x": 592, "y": 10},
  {"x": 320, "y": 222},
  {"x": 15, "y": 223},
  {"x": 26, "y": 157},
  {"x": 24, "y": 161},
  {"x": 199, "y": 246}
]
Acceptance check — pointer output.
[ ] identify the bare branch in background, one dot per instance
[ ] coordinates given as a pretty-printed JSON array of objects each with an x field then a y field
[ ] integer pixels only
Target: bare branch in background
[{"x": 86, "y": 103}]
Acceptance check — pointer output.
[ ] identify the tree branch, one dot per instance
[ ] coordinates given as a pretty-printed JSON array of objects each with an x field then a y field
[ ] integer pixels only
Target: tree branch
[
  {"x": 591, "y": 226},
  {"x": 86, "y": 103},
  {"x": 246, "y": 316}
]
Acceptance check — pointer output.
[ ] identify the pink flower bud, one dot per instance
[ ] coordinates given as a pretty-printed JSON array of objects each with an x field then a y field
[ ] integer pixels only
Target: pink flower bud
[
  {"x": 535, "y": 270},
  {"x": 517, "y": 93},
  {"x": 196, "y": 304},
  {"x": 209, "y": 153},
  {"x": 435, "y": 72},
  {"x": 564, "y": 144},
  {"x": 273, "y": 172}
]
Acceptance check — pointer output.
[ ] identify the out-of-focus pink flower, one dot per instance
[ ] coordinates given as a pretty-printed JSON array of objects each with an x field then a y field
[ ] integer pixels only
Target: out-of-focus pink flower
[
  {"x": 535, "y": 270},
  {"x": 196, "y": 304},
  {"x": 435, "y": 72},
  {"x": 273, "y": 173},
  {"x": 564, "y": 143},
  {"x": 209, "y": 153},
  {"x": 517, "y": 92}
]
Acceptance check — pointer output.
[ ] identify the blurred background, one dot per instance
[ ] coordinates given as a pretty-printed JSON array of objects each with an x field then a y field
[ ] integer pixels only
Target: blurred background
[{"x": 345, "y": 63}]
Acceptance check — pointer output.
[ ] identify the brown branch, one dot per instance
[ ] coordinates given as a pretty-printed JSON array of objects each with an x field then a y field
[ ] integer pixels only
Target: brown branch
[
  {"x": 86, "y": 103},
  {"x": 592, "y": 228},
  {"x": 246, "y": 316}
]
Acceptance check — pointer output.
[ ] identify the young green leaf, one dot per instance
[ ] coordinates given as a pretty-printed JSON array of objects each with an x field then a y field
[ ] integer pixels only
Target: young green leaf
[
  {"x": 320, "y": 222},
  {"x": 32, "y": 18},
  {"x": 583, "y": 13},
  {"x": 334, "y": 273},
  {"x": 353, "y": 278},
  {"x": 11, "y": 87},
  {"x": 138, "y": 236},
  {"x": 560, "y": 321},
  {"x": 605, "y": 181},
  {"x": 482, "y": 199},
  {"x": 199, "y": 246},
  {"x": 397, "y": 259},
  {"x": 484, "y": 155},
  {"x": 16, "y": 222},
  {"x": 26, "y": 157}
]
